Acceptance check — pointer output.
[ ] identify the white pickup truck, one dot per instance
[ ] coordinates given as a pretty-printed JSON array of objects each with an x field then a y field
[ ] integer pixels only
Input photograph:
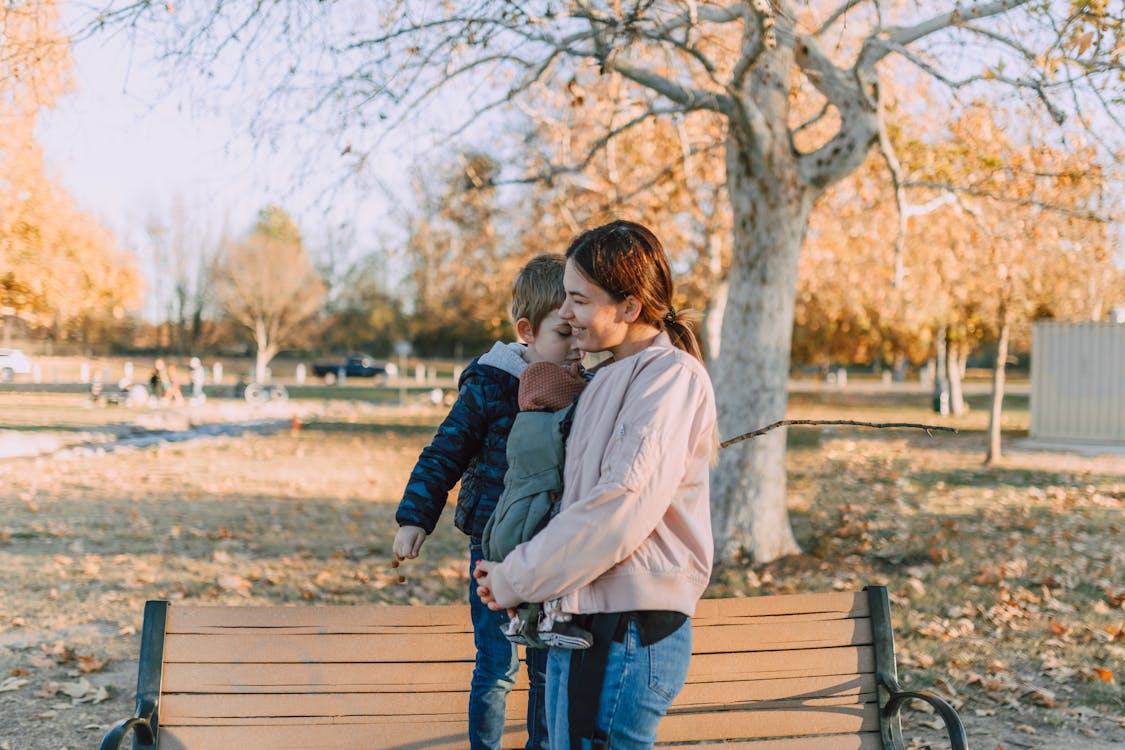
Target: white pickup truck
[{"x": 13, "y": 362}]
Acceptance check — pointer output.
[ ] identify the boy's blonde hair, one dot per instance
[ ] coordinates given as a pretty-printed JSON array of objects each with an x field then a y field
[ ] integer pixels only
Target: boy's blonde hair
[{"x": 538, "y": 289}]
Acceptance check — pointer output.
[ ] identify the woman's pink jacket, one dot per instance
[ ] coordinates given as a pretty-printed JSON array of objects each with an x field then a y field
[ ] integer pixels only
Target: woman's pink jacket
[{"x": 634, "y": 529}]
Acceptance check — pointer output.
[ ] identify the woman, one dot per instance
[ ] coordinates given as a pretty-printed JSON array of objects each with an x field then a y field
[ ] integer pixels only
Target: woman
[{"x": 630, "y": 551}]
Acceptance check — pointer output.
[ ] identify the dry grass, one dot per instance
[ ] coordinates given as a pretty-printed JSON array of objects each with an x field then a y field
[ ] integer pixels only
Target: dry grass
[{"x": 1007, "y": 580}]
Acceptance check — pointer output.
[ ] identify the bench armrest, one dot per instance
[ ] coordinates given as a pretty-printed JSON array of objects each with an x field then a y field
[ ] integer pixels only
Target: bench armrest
[
  {"x": 145, "y": 721},
  {"x": 142, "y": 730},
  {"x": 898, "y": 697}
]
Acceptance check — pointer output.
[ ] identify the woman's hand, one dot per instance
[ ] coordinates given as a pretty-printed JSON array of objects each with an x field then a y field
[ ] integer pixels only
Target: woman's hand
[{"x": 484, "y": 587}]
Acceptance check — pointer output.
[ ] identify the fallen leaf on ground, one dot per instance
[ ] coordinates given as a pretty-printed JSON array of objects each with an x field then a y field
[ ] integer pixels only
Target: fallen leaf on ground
[
  {"x": 81, "y": 691},
  {"x": 234, "y": 583},
  {"x": 90, "y": 663},
  {"x": 12, "y": 683}
]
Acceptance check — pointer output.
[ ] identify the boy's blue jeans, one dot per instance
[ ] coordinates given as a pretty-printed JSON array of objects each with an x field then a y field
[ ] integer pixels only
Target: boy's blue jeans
[
  {"x": 495, "y": 674},
  {"x": 640, "y": 684}
]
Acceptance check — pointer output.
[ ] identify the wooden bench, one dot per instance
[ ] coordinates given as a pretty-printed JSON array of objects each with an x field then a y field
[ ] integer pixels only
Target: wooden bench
[{"x": 792, "y": 672}]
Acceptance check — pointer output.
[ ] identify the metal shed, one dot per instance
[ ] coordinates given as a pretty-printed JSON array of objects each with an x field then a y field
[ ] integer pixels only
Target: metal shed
[{"x": 1078, "y": 381}]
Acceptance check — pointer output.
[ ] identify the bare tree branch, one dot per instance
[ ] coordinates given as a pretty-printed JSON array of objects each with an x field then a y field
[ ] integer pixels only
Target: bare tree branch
[
  {"x": 894, "y": 167},
  {"x": 1045, "y": 205},
  {"x": 758, "y": 37},
  {"x": 878, "y": 46},
  {"x": 812, "y": 120},
  {"x": 848, "y": 422},
  {"x": 836, "y": 15},
  {"x": 846, "y": 150},
  {"x": 600, "y": 144}
]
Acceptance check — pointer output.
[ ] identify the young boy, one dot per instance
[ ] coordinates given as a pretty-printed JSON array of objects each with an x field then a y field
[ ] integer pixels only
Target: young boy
[{"x": 471, "y": 446}]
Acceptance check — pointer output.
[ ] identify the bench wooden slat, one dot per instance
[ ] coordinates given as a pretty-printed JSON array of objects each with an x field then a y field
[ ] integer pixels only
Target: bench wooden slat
[
  {"x": 451, "y": 738},
  {"x": 795, "y": 663},
  {"x": 719, "y": 693},
  {"x": 281, "y": 626},
  {"x": 850, "y": 603},
  {"x": 389, "y": 731},
  {"x": 861, "y": 741},
  {"x": 187, "y": 708},
  {"x": 328, "y": 619},
  {"x": 327, "y": 678},
  {"x": 223, "y": 677},
  {"x": 432, "y": 735},
  {"x": 732, "y": 639},
  {"x": 300, "y": 738},
  {"x": 452, "y": 618},
  {"x": 265, "y": 646},
  {"x": 765, "y": 722}
]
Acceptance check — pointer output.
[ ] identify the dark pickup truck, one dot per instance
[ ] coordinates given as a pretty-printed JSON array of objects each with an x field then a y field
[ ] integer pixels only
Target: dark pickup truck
[{"x": 355, "y": 366}]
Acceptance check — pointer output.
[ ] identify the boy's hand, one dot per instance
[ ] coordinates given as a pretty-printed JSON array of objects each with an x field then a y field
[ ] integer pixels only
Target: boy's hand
[{"x": 408, "y": 541}]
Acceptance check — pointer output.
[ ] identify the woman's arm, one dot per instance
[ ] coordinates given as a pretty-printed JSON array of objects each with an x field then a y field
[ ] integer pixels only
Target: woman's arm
[{"x": 655, "y": 437}]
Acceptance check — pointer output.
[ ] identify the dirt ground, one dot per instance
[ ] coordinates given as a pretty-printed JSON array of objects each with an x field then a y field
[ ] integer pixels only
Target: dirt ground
[{"x": 1007, "y": 583}]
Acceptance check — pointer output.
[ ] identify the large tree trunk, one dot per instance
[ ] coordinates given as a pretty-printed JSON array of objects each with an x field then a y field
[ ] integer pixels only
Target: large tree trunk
[
  {"x": 955, "y": 366},
  {"x": 994, "y": 436},
  {"x": 750, "y": 514},
  {"x": 713, "y": 322},
  {"x": 941, "y": 374},
  {"x": 717, "y": 301}
]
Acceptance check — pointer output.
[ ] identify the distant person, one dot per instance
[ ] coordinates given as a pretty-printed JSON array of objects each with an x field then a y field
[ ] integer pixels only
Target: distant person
[
  {"x": 174, "y": 394},
  {"x": 198, "y": 376},
  {"x": 238, "y": 390},
  {"x": 96, "y": 387},
  {"x": 630, "y": 550},
  {"x": 470, "y": 446},
  {"x": 158, "y": 380}
]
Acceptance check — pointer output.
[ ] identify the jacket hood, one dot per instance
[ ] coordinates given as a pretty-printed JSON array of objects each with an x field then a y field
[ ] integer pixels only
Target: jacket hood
[{"x": 506, "y": 357}]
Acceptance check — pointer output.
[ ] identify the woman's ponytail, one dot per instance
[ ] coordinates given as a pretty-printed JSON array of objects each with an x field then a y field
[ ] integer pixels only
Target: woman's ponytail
[{"x": 678, "y": 325}]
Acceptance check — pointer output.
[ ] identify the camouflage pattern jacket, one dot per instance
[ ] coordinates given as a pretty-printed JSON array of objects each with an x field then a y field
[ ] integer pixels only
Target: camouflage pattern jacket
[{"x": 470, "y": 445}]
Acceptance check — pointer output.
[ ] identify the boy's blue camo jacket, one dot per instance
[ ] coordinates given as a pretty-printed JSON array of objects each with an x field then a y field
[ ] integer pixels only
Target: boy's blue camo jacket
[{"x": 471, "y": 445}]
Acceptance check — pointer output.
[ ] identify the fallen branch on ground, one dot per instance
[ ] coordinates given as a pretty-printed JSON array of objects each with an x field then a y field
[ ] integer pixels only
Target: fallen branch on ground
[{"x": 803, "y": 422}]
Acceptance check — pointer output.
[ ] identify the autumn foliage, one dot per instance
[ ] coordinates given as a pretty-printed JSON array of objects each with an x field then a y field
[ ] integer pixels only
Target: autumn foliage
[{"x": 59, "y": 269}]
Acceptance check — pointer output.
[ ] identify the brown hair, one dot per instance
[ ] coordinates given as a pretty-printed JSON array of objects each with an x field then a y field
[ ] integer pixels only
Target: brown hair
[
  {"x": 538, "y": 289},
  {"x": 626, "y": 258}
]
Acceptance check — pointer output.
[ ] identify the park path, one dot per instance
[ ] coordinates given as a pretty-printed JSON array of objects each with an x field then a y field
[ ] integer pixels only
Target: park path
[{"x": 147, "y": 428}]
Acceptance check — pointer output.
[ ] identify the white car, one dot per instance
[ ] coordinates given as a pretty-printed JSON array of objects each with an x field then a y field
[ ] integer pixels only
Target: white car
[{"x": 13, "y": 362}]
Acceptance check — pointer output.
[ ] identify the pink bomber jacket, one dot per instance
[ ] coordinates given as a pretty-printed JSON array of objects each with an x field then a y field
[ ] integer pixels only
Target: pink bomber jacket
[{"x": 634, "y": 529}]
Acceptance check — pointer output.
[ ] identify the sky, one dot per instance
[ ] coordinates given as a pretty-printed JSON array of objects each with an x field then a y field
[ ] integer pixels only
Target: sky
[{"x": 126, "y": 144}]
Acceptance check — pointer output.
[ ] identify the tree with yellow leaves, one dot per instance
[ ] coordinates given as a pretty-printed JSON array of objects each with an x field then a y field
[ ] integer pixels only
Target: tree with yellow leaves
[{"x": 60, "y": 272}]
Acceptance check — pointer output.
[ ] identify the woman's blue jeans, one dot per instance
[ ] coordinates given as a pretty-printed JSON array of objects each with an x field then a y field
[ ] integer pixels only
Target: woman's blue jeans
[
  {"x": 495, "y": 674},
  {"x": 640, "y": 684}
]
